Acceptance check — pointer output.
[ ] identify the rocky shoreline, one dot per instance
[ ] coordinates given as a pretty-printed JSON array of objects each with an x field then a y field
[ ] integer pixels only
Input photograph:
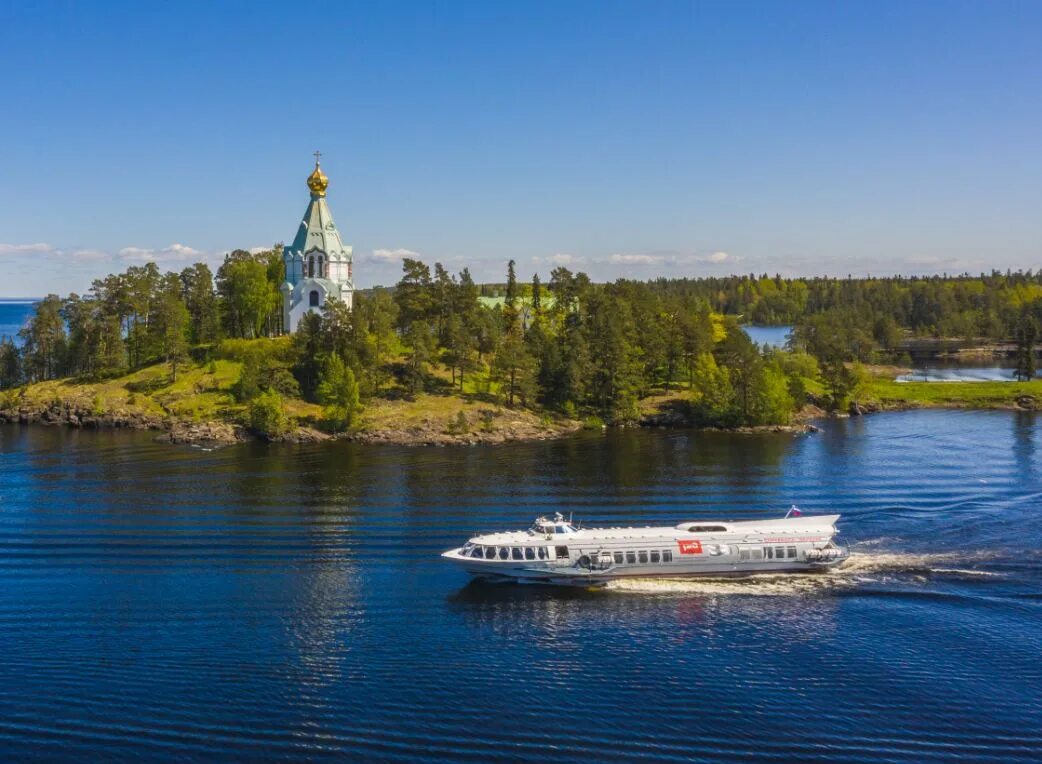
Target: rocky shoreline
[
  {"x": 173, "y": 430},
  {"x": 180, "y": 431},
  {"x": 490, "y": 430},
  {"x": 524, "y": 427}
]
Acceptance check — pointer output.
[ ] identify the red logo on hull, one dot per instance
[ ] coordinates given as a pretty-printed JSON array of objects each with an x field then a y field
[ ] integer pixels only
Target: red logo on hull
[{"x": 690, "y": 547}]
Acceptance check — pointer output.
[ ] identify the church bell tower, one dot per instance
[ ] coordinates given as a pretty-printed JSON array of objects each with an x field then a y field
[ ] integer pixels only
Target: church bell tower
[{"x": 318, "y": 263}]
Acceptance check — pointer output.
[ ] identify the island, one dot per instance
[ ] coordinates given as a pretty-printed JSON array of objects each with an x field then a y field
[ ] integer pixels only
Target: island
[{"x": 438, "y": 359}]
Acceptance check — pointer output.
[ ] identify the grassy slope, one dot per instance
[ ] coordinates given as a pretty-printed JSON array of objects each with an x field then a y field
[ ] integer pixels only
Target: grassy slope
[{"x": 203, "y": 393}]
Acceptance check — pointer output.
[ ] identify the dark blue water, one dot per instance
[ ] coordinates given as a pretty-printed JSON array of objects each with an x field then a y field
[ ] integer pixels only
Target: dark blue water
[
  {"x": 281, "y": 602},
  {"x": 13, "y": 314}
]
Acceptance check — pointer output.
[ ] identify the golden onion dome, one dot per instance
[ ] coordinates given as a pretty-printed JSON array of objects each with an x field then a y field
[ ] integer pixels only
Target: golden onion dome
[{"x": 317, "y": 181}]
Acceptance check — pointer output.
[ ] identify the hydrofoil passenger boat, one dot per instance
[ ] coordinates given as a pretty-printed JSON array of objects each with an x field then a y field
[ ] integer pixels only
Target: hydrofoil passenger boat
[{"x": 555, "y": 551}]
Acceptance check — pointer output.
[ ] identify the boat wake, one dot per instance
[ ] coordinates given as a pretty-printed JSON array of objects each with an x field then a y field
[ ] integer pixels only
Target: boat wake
[{"x": 860, "y": 568}]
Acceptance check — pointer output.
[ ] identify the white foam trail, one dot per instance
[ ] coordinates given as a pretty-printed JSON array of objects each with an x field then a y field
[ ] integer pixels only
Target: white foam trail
[
  {"x": 966, "y": 572},
  {"x": 859, "y": 568}
]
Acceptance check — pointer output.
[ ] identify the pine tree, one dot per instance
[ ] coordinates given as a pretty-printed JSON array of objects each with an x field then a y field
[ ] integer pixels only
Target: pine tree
[
  {"x": 198, "y": 292},
  {"x": 514, "y": 368},
  {"x": 247, "y": 293},
  {"x": 171, "y": 323},
  {"x": 10, "y": 364},
  {"x": 308, "y": 351},
  {"x": 1025, "y": 336},
  {"x": 338, "y": 392},
  {"x": 44, "y": 341},
  {"x": 510, "y": 311},
  {"x": 379, "y": 313},
  {"x": 421, "y": 342},
  {"x": 413, "y": 294}
]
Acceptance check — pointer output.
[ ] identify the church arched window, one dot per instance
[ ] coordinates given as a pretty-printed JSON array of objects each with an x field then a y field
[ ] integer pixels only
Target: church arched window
[
  {"x": 313, "y": 298},
  {"x": 311, "y": 267}
]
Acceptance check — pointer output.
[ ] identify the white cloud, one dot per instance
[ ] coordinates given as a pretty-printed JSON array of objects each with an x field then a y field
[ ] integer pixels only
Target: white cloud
[
  {"x": 392, "y": 255},
  {"x": 712, "y": 258},
  {"x": 26, "y": 249},
  {"x": 622, "y": 259},
  {"x": 561, "y": 258},
  {"x": 137, "y": 253},
  {"x": 175, "y": 253}
]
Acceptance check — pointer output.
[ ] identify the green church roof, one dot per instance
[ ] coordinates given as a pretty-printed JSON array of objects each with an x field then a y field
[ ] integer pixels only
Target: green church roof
[{"x": 318, "y": 231}]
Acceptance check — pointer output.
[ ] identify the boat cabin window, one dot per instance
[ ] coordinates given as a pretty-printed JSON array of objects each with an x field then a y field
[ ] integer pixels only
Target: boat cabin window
[
  {"x": 707, "y": 529},
  {"x": 769, "y": 552},
  {"x": 792, "y": 552},
  {"x": 504, "y": 552},
  {"x": 529, "y": 553},
  {"x": 642, "y": 556},
  {"x": 667, "y": 556},
  {"x": 750, "y": 554},
  {"x": 631, "y": 558},
  {"x": 654, "y": 556},
  {"x": 477, "y": 552},
  {"x": 542, "y": 553},
  {"x": 562, "y": 552},
  {"x": 516, "y": 553},
  {"x": 619, "y": 558},
  {"x": 490, "y": 552}
]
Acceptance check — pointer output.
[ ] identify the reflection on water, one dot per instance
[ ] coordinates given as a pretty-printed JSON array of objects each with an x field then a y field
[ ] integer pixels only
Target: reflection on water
[{"x": 261, "y": 602}]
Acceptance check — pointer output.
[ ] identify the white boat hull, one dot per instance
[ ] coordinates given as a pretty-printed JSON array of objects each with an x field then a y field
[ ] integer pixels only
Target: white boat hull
[
  {"x": 593, "y": 556},
  {"x": 572, "y": 574}
]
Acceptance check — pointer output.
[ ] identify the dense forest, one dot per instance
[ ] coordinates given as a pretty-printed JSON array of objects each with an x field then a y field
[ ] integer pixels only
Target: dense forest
[{"x": 566, "y": 346}]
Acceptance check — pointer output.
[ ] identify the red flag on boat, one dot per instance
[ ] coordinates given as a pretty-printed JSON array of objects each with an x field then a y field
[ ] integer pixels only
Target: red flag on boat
[{"x": 794, "y": 512}]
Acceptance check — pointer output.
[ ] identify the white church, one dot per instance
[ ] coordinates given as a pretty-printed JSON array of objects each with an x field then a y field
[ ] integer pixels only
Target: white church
[{"x": 318, "y": 263}]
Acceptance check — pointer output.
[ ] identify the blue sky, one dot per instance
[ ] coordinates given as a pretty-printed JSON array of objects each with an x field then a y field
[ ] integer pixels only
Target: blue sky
[{"x": 623, "y": 139}]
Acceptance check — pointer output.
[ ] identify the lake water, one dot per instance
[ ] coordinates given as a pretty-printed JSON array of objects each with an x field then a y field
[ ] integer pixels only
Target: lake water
[
  {"x": 13, "y": 314},
  {"x": 771, "y": 336},
  {"x": 954, "y": 372},
  {"x": 928, "y": 368},
  {"x": 287, "y": 602}
]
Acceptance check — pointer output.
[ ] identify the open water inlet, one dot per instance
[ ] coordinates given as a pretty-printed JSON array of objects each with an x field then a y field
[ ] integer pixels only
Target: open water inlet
[{"x": 861, "y": 568}]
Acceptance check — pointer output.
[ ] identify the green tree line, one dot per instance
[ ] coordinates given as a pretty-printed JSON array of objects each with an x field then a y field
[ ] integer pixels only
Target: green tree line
[
  {"x": 987, "y": 306},
  {"x": 566, "y": 345},
  {"x": 143, "y": 316}
]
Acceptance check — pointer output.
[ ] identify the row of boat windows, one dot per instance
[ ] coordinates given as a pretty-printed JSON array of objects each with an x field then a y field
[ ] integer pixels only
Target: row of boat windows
[
  {"x": 532, "y": 553},
  {"x": 632, "y": 558},
  {"x": 514, "y": 552},
  {"x": 768, "y": 553},
  {"x": 620, "y": 558}
]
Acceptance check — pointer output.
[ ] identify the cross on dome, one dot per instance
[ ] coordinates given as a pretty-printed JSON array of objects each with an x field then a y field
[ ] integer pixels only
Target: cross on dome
[{"x": 317, "y": 181}]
